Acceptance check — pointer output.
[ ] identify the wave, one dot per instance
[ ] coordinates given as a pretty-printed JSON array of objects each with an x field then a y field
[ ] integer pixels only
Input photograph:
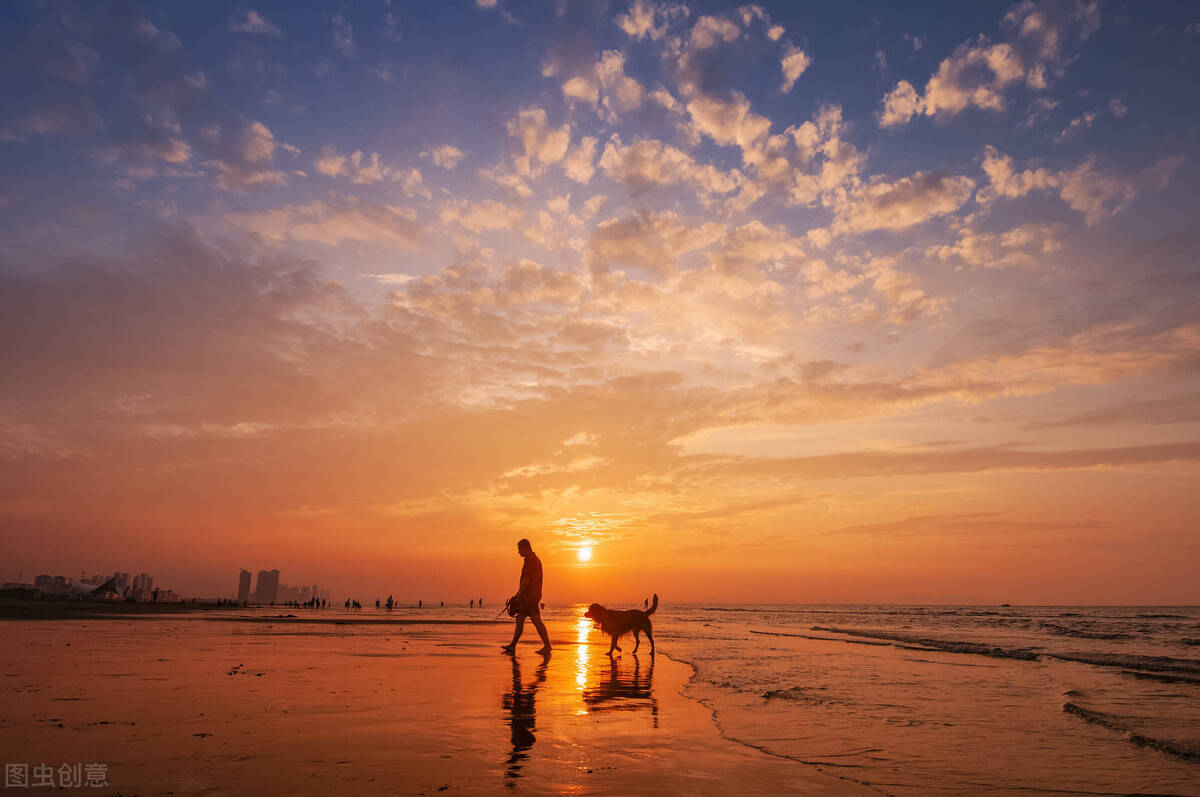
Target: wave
[
  {"x": 1161, "y": 678},
  {"x": 823, "y": 638},
  {"x": 1132, "y": 661},
  {"x": 1118, "y": 724},
  {"x": 1163, "y": 616},
  {"x": 1062, "y": 630},
  {"x": 950, "y": 646},
  {"x": 1128, "y": 661}
]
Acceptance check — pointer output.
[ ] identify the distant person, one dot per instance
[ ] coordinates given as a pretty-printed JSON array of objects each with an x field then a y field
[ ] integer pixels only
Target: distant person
[
  {"x": 419, "y": 604},
  {"x": 442, "y": 604},
  {"x": 472, "y": 603},
  {"x": 377, "y": 603},
  {"x": 529, "y": 595},
  {"x": 645, "y": 603},
  {"x": 481, "y": 603},
  {"x": 347, "y": 603}
]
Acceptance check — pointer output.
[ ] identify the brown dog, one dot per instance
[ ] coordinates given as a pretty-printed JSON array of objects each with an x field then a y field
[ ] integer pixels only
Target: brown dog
[{"x": 618, "y": 623}]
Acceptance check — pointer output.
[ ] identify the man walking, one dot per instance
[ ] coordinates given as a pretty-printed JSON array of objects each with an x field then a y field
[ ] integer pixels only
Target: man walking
[{"x": 528, "y": 596}]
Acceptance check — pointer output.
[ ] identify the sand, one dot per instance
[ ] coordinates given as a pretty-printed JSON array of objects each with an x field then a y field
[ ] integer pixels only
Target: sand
[{"x": 202, "y": 705}]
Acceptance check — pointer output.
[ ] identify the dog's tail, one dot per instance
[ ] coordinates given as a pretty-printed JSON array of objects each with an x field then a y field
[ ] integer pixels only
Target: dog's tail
[{"x": 653, "y": 605}]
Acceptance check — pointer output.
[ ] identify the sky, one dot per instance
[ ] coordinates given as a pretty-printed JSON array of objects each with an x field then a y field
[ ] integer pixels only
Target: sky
[{"x": 839, "y": 302}]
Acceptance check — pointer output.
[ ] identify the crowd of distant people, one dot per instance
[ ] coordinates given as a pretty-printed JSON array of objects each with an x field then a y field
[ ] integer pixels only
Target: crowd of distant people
[{"x": 350, "y": 604}]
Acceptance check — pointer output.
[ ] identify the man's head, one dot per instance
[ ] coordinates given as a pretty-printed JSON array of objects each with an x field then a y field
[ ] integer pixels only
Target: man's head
[{"x": 524, "y": 548}]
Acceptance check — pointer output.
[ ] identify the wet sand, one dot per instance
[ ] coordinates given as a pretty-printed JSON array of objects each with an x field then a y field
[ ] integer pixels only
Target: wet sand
[{"x": 175, "y": 705}]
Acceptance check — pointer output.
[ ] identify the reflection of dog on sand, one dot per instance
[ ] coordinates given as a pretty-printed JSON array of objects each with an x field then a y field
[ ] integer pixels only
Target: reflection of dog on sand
[{"x": 618, "y": 623}]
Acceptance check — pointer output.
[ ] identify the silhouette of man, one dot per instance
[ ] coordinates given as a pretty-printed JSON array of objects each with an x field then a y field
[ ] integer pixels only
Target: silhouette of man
[{"x": 529, "y": 595}]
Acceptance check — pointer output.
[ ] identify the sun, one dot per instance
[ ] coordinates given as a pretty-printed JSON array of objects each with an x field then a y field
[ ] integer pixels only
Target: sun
[{"x": 584, "y": 554}]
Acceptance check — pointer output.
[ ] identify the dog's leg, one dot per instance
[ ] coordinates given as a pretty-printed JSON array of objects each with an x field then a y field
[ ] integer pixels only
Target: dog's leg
[
  {"x": 613, "y": 646},
  {"x": 637, "y": 640},
  {"x": 651, "y": 638}
]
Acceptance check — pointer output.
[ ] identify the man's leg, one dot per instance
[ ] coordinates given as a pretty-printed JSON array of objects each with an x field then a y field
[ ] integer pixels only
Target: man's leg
[
  {"x": 541, "y": 629},
  {"x": 520, "y": 626}
]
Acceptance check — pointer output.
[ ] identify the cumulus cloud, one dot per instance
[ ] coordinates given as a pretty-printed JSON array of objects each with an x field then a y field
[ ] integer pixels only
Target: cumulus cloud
[
  {"x": 649, "y": 20},
  {"x": 980, "y": 73},
  {"x": 1023, "y": 246},
  {"x": 249, "y": 161},
  {"x": 794, "y": 62},
  {"x": 653, "y": 241},
  {"x": 477, "y": 217},
  {"x": 603, "y": 85},
  {"x": 648, "y": 162},
  {"x": 333, "y": 223},
  {"x": 580, "y": 162},
  {"x": 248, "y": 20},
  {"x": 541, "y": 144},
  {"x": 1085, "y": 188},
  {"x": 446, "y": 156},
  {"x": 882, "y": 205},
  {"x": 365, "y": 169}
]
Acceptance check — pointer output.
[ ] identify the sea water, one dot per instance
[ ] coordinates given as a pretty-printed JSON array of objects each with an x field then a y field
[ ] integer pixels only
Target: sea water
[{"x": 956, "y": 700}]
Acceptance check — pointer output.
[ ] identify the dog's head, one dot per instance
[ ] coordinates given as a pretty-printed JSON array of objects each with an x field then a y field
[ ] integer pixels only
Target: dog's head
[{"x": 595, "y": 613}]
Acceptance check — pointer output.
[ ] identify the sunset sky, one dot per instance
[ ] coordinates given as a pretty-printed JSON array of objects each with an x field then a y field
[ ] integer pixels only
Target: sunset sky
[{"x": 823, "y": 302}]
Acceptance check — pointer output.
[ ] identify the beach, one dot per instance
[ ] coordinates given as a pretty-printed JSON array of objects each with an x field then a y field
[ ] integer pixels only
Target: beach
[{"x": 257, "y": 702}]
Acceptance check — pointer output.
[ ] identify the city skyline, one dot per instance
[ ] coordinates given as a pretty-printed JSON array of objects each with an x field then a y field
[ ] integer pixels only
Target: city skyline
[{"x": 758, "y": 303}]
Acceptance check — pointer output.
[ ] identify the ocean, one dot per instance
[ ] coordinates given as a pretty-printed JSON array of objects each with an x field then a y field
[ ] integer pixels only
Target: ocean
[{"x": 940, "y": 700}]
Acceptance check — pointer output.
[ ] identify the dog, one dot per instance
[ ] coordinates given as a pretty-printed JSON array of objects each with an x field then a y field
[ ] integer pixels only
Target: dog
[{"x": 618, "y": 623}]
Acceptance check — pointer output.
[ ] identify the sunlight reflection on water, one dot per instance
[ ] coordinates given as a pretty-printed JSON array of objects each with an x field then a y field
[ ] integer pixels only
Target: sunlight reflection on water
[{"x": 582, "y": 627}]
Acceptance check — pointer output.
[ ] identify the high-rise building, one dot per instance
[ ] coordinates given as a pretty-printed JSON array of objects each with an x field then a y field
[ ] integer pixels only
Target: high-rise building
[
  {"x": 143, "y": 581},
  {"x": 267, "y": 588},
  {"x": 120, "y": 582},
  {"x": 243, "y": 592}
]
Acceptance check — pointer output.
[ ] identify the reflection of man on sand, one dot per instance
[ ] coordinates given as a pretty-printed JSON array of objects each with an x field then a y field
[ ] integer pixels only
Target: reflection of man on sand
[
  {"x": 528, "y": 596},
  {"x": 519, "y": 703}
]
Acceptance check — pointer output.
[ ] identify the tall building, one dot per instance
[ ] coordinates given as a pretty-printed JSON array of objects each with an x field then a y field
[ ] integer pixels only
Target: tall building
[
  {"x": 143, "y": 581},
  {"x": 243, "y": 586},
  {"x": 267, "y": 588},
  {"x": 120, "y": 582}
]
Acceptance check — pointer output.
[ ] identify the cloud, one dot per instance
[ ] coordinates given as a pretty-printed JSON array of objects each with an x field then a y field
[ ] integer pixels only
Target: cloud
[
  {"x": 249, "y": 161},
  {"x": 794, "y": 62},
  {"x": 901, "y": 104},
  {"x": 580, "y": 164},
  {"x": 250, "y": 21},
  {"x": 603, "y": 85},
  {"x": 366, "y": 169},
  {"x": 446, "y": 156},
  {"x": 1096, "y": 194},
  {"x": 647, "y": 162},
  {"x": 333, "y": 224},
  {"x": 1184, "y": 408},
  {"x": 980, "y": 74},
  {"x": 343, "y": 36},
  {"x": 541, "y": 144},
  {"x": 1021, "y": 247},
  {"x": 73, "y": 116},
  {"x": 882, "y": 205},
  {"x": 729, "y": 121},
  {"x": 653, "y": 241},
  {"x": 648, "y": 20},
  {"x": 708, "y": 31},
  {"x": 477, "y": 217}
]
